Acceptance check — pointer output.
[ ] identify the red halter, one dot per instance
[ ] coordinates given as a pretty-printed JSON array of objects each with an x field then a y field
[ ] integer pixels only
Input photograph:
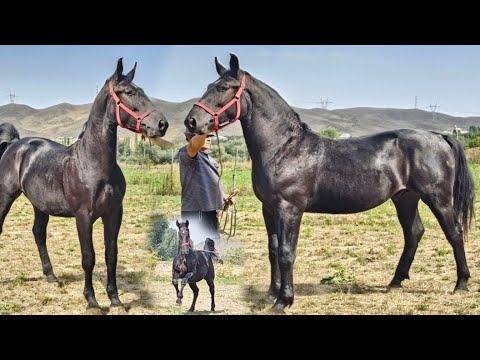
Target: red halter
[
  {"x": 119, "y": 105},
  {"x": 236, "y": 99}
]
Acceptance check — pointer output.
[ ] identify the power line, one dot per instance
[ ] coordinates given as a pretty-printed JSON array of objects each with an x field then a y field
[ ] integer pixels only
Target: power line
[
  {"x": 433, "y": 108},
  {"x": 324, "y": 103},
  {"x": 12, "y": 97}
]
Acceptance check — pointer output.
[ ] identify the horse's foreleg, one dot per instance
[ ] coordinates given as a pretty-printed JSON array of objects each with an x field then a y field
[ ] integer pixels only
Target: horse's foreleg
[
  {"x": 84, "y": 229},
  {"x": 406, "y": 204},
  {"x": 175, "y": 277},
  {"x": 111, "y": 226},
  {"x": 40, "y": 233},
  {"x": 184, "y": 282},
  {"x": 287, "y": 224},
  {"x": 275, "y": 281},
  {"x": 195, "y": 290}
]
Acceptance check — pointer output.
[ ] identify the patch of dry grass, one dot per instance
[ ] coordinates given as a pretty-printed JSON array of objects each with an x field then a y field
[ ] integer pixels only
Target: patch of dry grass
[
  {"x": 345, "y": 262},
  {"x": 144, "y": 282}
]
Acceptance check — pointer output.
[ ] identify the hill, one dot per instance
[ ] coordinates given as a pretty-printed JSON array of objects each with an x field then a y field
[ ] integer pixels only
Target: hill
[{"x": 67, "y": 119}]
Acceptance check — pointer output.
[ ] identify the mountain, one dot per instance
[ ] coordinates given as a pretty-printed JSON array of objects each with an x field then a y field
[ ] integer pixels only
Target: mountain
[{"x": 67, "y": 119}]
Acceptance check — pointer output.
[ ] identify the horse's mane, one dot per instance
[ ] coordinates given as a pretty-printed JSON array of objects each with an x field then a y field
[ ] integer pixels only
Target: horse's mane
[
  {"x": 83, "y": 130},
  {"x": 291, "y": 116}
]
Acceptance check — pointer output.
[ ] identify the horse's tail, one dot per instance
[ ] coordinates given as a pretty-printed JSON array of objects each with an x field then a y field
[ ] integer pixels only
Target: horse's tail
[
  {"x": 463, "y": 188},
  {"x": 8, "y": 135}
]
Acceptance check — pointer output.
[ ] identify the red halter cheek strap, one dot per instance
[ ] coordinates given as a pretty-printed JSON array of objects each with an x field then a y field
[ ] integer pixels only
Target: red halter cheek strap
[
  {"x": 119, "y": 104},
  {"x": 235, "y": 100}
]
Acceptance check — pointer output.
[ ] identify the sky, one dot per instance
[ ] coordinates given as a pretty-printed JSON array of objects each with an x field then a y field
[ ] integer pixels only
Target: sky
[{"x": 305, "y": 76}]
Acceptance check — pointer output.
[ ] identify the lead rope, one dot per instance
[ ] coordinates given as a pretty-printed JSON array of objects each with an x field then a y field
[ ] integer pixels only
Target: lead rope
[{"x": 230, "y": 215}]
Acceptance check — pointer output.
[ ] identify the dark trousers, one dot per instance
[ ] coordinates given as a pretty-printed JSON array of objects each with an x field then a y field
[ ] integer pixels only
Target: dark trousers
[{"x": 206, "y": 219}]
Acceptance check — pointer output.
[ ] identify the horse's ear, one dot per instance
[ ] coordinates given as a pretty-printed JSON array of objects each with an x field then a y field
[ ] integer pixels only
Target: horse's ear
[
  {"x": 119, "y": 72},
  {"x": 178, "y": 224},
  {"x": 131, "y": 74},
  {"x": 234, "y": 64},
  {"x": 186, "y": 222},
  {"x": 220, "y": 68}
]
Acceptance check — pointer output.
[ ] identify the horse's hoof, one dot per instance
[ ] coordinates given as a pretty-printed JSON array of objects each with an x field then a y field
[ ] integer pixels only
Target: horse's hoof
[
  {"x": 461, "y": 291},
  {"x": 52, "y": 279},
  {"x": 270, "y": 298},
  {"x": 94, "y": 311},
  {"x": 117, "y": 310},
  {"x": 278, "y": 309},
  {"x": 191, "y": 310},
  {"x": 178, "y": 302},
  {"x": 394, "y": 289}
]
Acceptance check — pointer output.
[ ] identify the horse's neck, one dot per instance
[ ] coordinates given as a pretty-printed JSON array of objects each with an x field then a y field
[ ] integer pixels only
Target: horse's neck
[
  {"x": 98, "y": 144},
  {"x": 271, "y": 125}
]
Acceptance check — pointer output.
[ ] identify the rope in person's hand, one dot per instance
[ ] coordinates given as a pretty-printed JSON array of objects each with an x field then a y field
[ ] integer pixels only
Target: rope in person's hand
[{"x": 230, "y": 211}]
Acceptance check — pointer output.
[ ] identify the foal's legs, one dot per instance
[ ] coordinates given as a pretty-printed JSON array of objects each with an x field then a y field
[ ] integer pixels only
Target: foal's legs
[
  {"x": 84, "y": 229},
  {"x": 111, "y": 226},
  {"x": 275, "y": 280},
  {"x": 443, "y": 210},
  {"x": 287, "y": 221},
  {"x": 406, "y": 204},
  {"x": 40, "y": 233},
  {"x": 211, "y": 287},
  {"x": 195, "y": 290},
  {"x": 175, "y": 284},
  {"x": 184, "y": 282}
]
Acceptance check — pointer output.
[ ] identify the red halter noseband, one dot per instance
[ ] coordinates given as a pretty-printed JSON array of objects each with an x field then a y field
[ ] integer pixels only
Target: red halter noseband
[
  {"x": 236, "y": 99},
  {"x": 119, "y": 104}
]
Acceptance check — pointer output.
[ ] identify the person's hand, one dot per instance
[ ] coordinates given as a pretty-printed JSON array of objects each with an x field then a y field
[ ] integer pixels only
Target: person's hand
[{"x": 230, "y": 199}]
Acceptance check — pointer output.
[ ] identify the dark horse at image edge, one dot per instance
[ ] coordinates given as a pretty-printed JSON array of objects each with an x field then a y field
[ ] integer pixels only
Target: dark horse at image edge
[
  {"x": 295, "y": 170},
  {"x": 82, "y": 180}
]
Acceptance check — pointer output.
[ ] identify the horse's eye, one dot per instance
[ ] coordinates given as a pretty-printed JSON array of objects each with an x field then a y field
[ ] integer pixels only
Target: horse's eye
[
  {"x": 223, "y": 88},
  {"x": 128, "y": 92}
]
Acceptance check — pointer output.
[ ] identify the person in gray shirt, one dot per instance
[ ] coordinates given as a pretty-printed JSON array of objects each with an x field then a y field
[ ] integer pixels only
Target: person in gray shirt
[{"x": 202, "y": 193}]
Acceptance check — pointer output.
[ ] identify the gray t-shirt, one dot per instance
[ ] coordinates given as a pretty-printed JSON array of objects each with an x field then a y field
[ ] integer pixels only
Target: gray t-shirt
[{"x": 199, "y": 179}]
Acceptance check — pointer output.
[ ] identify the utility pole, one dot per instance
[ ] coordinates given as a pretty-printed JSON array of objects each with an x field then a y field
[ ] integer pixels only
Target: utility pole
[
  {"x": 96, "y": 92},
  {"x": 324, "y": 103},
  {"x": 416, "y": 102},
  {"x": 434, "y": 108},
  {"x": 12, "y": 97}
]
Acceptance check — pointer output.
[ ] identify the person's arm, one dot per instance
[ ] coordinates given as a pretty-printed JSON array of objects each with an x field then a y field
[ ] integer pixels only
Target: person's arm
[{"x": 195, "y": 144}]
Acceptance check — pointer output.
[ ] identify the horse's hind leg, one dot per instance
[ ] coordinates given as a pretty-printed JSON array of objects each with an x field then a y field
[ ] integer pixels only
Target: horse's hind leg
[
  {"x": 6, "y": 200},
  {"x": 195, "y": 290},
  {"x": 406, "y": 204},
  {"x": 111, "y": 226},
  {"x": 211, "y": 287},
  {"x": 40, "y": 233},
  {"x": 454, "y": 233},
  {"x": 275, "y": 280}
]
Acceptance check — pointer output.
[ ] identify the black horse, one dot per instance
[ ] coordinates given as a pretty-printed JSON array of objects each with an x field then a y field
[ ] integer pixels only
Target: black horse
[
  {"x": 191, "y": 266},
  {"x": 8, "y": 135},
  {"x": 294, "y": 170},
  {"x": 209, "y": 247},
  {"x": 83, "y": 180}
]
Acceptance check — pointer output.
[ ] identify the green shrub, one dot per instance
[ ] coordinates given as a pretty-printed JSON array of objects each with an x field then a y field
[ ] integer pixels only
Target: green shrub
[
  {"x": 163, "y": 239},
  {"x": 330, "y": 132}
]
